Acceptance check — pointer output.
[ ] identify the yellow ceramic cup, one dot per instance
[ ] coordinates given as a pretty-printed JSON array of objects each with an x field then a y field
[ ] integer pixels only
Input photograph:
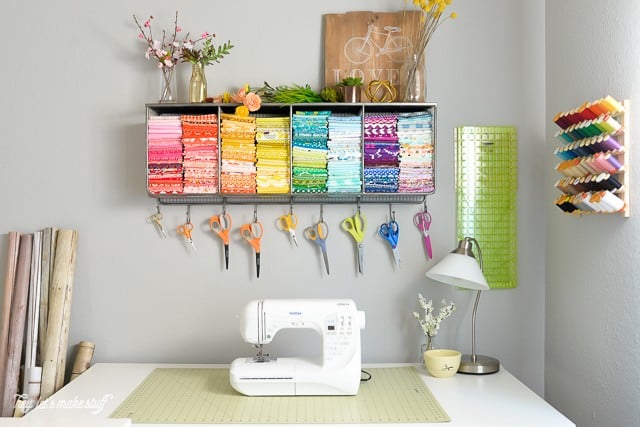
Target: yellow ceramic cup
[{"x": 442, "y": 363}]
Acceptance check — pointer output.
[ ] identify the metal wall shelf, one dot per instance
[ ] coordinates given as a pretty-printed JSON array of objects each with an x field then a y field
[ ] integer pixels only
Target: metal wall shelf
[{"x": 275, "y": 109}]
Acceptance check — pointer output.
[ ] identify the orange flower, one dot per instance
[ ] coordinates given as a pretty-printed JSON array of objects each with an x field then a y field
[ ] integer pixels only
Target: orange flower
[
  {"x": 239, "y": 96},
  {"x": 252, "y": 101}
]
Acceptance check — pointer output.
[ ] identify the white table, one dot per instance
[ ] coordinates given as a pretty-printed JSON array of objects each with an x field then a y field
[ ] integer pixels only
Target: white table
[{"x": 497, "y": 400}]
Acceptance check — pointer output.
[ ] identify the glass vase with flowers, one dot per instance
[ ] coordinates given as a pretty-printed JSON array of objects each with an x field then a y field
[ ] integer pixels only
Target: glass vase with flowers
[
  {"x": 199, "y": 58},
  {"x": 165, "y": 51},
  {"x": 412, "y": 72}
]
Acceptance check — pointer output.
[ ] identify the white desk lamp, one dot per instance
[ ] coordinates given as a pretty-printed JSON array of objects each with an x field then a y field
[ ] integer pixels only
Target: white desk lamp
[{"x": 460, "y": 268}]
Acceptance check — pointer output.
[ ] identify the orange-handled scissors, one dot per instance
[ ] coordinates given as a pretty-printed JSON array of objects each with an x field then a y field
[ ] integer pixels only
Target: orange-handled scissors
[
  {"x": 185, "y": 231},
  {"x": 288, "y": 223},
  {"x": 221, "y": 224},
  {"x": 252, "y": 233}
]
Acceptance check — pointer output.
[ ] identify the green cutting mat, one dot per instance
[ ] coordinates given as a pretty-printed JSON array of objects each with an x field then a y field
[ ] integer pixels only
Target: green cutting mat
[
  {"x": 204, "y": 396},
  {"x": 486, "y": 189}
]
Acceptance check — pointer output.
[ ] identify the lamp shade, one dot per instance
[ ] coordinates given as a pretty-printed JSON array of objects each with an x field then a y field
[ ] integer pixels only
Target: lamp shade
[{"x": 460, "y": 270}]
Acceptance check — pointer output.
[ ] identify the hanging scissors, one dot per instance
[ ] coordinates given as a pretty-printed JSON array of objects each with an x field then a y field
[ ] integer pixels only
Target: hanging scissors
[
  {"x": 156, "y": 219},
  {"x": 391, "y": 231},
  {"x": 185, "y": 231},
  {"x": 355, "y": 226},
  {"x": 252, "y": 233},
  {"x": 288, "y": 223},
  {"x": 422, "y": 220},
  {"x": 220, "y": 224},
  {"x": 318, "y": 235}
]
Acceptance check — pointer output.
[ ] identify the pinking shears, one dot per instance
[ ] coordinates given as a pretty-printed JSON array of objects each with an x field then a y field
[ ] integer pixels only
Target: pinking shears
[
  {"x": 390, "y": 232},
  {"x": 355, "y": 225},
  {"x": 220, "y": 224},
  {"x": 318, "y": 235},
  {"x": 288, "y": 223},
  {"x": 252, "y": 233},
  {"x": 422, "y": 220}
]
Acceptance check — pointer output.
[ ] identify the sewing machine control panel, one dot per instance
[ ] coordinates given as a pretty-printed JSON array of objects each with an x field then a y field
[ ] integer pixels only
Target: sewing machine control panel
[{"x": 339, "y": 336}]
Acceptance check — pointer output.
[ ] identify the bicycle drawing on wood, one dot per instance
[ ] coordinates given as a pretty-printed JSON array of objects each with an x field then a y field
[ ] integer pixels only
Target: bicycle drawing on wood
[{"x": 359, "y": 50}]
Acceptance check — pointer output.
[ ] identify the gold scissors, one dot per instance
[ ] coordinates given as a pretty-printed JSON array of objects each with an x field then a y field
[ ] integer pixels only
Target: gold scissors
[
  {"x": 185, "y": 231},
  {"x": 221, "y": 224},
  {"x": 355, "y": 226},
  {"x": 288, "y": 223},
  {"x": 252, "y": 233},
  {"x": 156, "y": 219},
  {"x": 318, "y": 235}
]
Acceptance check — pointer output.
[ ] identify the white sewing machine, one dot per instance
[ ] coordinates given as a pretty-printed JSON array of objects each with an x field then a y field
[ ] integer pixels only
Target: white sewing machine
[{"x": 337, "y": 373}]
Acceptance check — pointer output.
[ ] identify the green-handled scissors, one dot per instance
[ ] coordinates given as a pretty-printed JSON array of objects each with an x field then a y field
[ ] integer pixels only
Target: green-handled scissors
[
  {"x": 355, "y": 226},
  {"x": 318, "y": 235}
]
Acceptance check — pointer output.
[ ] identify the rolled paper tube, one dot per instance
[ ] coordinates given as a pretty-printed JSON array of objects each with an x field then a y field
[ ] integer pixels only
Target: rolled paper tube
[
  {"x": 84, "y": 355},
  {"x": 5, "y": 317},
  {"x": 17, "y": 325}
]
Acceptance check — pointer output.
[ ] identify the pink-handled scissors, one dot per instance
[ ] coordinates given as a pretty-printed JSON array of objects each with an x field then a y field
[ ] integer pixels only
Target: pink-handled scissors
[{"x": 422, "y": 220}]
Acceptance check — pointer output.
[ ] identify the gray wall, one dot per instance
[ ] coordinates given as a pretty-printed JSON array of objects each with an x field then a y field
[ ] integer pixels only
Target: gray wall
[
  {"x": 592, "y": 360},
  {"x": 72, "y": 155}
]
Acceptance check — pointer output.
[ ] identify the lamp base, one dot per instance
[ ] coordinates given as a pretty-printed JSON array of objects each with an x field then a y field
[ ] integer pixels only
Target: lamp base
[{"x": 482, "y": 366}]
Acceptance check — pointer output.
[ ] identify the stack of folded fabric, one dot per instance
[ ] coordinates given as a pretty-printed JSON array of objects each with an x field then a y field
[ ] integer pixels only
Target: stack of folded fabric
[
  {"x": 200, "y": 164},
  {"x": 238, "y": 154},
  {"x": 272, "y": 153},
  {"x": 310, "y": 151},
  {"x": 415, "y": 135},
  {"x": 344, "y": 157},
  {"x": 381, "y": 151},
  {"x": 164, "y": 155}
]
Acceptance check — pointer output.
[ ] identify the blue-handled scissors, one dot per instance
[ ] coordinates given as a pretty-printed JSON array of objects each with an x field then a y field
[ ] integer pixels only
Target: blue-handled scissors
[
  {"x": 391, "y": 231},
  {"x": 318, "y": 235},
  {"x": 422, "y": 220},
  {"x": 355, "y": 226}
]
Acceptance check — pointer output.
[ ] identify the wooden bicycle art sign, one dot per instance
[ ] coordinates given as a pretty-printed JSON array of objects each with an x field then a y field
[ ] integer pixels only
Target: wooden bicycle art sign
[{"x": 368, "y": 45}]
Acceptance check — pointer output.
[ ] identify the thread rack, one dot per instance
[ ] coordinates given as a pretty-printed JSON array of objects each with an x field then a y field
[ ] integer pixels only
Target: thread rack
[{"x": 594, "y": 157}]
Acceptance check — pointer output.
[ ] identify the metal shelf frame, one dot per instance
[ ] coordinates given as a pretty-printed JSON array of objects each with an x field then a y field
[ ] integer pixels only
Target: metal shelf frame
[{"x": 273, "y": 109}]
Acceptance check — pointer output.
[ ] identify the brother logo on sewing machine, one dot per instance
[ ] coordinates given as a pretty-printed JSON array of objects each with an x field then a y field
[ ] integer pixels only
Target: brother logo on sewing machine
[{"x": 338, "y": 371}]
